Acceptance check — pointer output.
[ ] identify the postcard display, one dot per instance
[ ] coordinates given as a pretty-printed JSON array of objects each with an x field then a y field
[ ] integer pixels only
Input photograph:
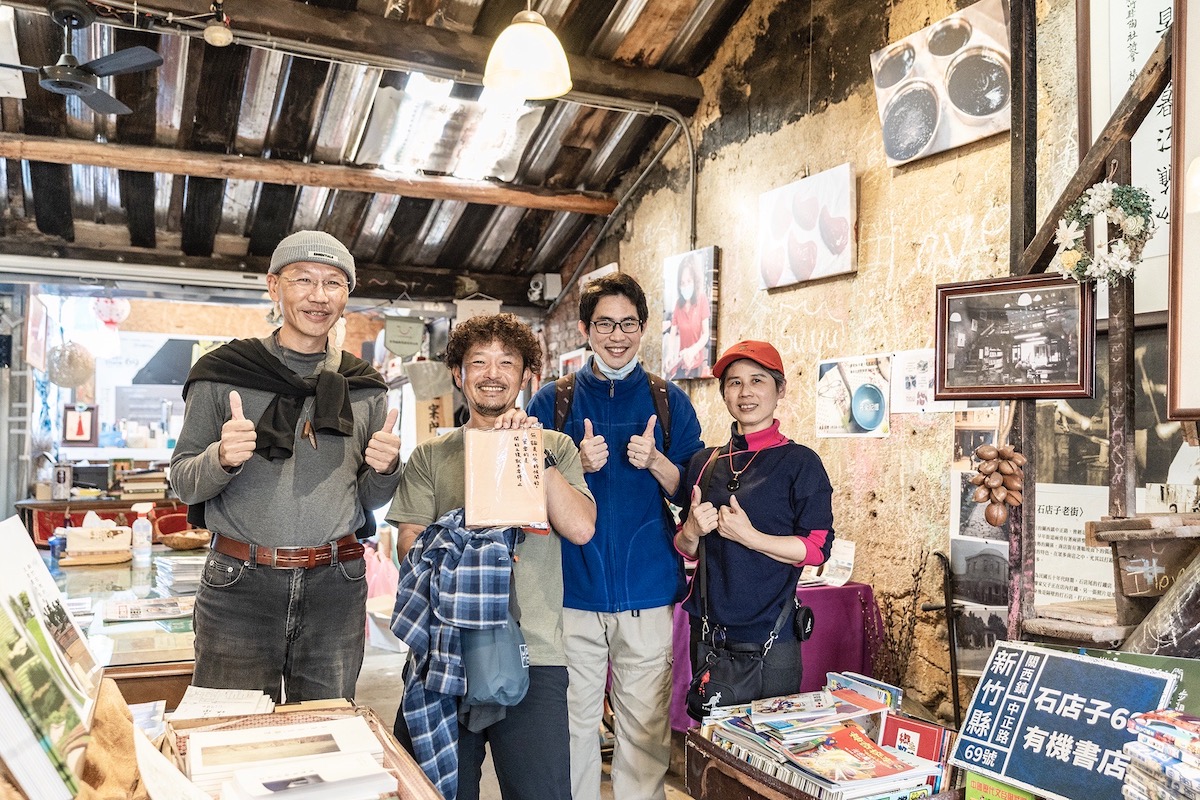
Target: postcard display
[{"x": 1055, "y": 723}]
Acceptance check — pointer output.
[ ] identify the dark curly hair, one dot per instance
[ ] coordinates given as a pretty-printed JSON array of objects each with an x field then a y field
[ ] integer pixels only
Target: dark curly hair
[
  {"x": 617, "y": 283},
  {"x": 503, "y": 328}
]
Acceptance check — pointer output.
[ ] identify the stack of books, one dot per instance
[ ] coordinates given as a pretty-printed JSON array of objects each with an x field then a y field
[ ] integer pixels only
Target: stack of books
[
  {"x": 1164, "y": 762},
  {"x": 826, "y": 744},
  {"x": 201, "y": 703},
  {"x": 143, "y": 485},
  {"x": 178, "y": 575}
]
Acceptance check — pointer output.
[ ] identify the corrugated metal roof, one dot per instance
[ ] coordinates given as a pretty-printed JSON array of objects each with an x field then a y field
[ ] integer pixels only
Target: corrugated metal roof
[{"x": 285, "y": 102}]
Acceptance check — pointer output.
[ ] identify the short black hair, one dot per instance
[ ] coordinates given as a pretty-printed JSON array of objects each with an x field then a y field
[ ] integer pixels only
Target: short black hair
[
  {"x": 503, "y": 328},
  {"x": 618, "y": 283}
]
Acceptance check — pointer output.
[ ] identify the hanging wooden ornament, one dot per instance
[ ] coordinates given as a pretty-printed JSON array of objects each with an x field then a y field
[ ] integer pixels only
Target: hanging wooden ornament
[{"x": 999, "y": 481}]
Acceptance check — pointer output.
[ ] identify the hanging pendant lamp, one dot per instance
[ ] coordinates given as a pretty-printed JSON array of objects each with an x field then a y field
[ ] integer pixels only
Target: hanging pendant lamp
[{"x": 527, "y": 60}]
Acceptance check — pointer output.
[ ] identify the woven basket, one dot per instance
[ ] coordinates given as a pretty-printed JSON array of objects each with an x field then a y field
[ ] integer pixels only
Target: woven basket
[{"x": 186, "y": 540}]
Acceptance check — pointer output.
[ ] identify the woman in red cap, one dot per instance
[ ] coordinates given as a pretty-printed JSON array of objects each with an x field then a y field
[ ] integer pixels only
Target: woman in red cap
[{"x": 761, "y": 508}]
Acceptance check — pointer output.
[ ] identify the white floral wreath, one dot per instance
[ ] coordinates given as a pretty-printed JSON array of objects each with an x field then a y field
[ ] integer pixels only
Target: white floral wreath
[{"x": 1126, "y": 207}]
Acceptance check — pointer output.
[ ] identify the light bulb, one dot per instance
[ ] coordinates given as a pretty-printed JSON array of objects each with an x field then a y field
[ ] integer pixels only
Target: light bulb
[{"x": 528, "y": 61}]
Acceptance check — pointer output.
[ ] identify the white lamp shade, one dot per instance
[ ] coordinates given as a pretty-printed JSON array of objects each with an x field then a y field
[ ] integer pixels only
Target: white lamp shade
[{"x": 527, "y": 60}]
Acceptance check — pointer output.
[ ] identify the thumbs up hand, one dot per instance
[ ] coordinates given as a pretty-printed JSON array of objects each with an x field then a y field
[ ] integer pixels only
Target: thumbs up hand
[
  {"x": 643, "y": 450},
  {"x": 593, "y": 450},
  {"x": 703, "y": 515},
  {"x": 734, "y": 524},
  {"x": 238, "y": 438},
  {"x": 383, "y": 451}
]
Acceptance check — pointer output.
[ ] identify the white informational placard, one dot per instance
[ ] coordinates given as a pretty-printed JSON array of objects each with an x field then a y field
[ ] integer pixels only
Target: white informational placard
[
  {"x": 912, "y": 383},
  {"x": 1065, "y": 568}
]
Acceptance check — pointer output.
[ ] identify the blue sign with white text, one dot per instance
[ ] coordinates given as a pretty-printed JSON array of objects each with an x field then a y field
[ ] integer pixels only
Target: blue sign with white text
[{"x": 1055, "y": 723}]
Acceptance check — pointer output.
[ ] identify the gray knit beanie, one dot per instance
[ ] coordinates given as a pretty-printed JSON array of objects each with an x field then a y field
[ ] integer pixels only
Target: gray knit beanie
[{"x": 316, "y": 246}]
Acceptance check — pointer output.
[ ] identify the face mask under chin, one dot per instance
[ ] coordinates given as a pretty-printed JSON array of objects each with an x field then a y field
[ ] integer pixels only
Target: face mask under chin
[{"x": 615, "y": 374}]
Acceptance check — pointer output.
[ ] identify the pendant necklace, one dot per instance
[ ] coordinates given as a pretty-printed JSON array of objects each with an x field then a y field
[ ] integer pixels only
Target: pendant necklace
[{"x": 734, "y": 482}]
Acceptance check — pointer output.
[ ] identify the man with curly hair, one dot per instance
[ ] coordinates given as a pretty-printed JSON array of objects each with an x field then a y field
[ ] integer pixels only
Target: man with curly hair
[{"x": 491, "y": 357}]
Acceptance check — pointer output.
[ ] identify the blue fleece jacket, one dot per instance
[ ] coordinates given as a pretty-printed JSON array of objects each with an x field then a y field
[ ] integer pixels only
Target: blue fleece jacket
[{"x": 631, "y": 561}]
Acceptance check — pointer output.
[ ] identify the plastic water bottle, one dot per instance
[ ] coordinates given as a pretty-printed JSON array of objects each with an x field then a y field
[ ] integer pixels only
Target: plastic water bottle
[{"x": 142, "y": 535}]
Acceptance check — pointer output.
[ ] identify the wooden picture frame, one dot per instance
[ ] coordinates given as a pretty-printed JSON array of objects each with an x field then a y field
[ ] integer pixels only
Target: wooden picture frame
[
  {"x": 572, "y": 360},
  {"x": 80, "y": 425},
  {"x": 1183, "y": 307},
  {"x": 1015, "y": 337}
]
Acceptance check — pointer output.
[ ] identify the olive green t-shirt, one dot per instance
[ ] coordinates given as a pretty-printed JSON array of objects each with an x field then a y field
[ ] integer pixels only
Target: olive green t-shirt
[{"x": 434, "y": 482}]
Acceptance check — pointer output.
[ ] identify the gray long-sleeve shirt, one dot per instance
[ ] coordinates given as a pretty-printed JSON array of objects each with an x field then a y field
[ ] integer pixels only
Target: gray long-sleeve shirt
[{"x": 316, "y": 496}]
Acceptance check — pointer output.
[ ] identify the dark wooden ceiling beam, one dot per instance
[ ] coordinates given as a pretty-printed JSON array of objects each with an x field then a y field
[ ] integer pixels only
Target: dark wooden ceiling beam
[
  {"x": 218, "y": 165},
  {"x": 361, "y": 37},
  {"x": 139, "y": 91},
  {"x": 40, "y": 42},
  {"x": 379, "y": 281}
]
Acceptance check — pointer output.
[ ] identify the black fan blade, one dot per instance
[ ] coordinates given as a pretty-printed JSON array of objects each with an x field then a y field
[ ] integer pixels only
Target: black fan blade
[
  {"x": 20, "y": 67},
  {"x": 131, "y": 59},
  {"x": 105, "y": 103}
]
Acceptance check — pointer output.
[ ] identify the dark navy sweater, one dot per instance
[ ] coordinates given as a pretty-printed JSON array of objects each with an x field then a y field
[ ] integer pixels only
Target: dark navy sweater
[{"x": 784, "y": 492}]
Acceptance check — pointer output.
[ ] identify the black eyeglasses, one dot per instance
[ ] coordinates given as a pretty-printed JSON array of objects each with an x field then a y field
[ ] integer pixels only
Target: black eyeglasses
[{"x": 628, "y": 325}]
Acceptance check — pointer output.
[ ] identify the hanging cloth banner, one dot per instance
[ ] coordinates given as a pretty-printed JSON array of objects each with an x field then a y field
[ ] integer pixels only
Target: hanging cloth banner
[
  {"x": 429, "y": 379},
  {"x": 402, "y": 335},
  {"x": 476, "y": 305}
]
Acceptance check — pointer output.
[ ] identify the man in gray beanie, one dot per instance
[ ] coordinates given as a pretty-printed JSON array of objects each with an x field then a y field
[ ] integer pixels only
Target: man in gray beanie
[{"x": 287, "y": 443}]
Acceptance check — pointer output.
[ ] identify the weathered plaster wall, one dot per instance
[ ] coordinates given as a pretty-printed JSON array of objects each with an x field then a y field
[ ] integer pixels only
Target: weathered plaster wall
[{"x": 790, "y": 92}]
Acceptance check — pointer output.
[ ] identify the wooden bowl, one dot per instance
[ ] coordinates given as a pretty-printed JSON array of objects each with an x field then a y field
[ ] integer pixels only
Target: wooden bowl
[{"x": 186, "y": 540}]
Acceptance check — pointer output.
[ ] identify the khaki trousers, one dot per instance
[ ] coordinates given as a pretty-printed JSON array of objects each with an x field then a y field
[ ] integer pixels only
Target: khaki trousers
[{"x": 636, "y": 645}]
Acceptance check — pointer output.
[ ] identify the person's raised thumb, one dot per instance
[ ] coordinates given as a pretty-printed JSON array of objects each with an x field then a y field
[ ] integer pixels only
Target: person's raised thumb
[
  {"x": 696, "y": 495},
  {"x": 734, "y": 504},
  {"x": 649, "y": 432},
  {"x": 235, "y": 406},
  {"x": 389, "y": 424},
  {"x": 587, "y": 428}
]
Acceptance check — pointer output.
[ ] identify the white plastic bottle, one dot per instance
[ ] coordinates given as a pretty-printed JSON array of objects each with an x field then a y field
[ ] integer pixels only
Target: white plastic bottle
[{"x": 142, "y": 535}]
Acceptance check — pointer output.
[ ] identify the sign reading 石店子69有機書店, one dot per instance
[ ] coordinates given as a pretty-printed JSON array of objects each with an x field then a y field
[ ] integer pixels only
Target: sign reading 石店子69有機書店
[{"x": 1055, "y": 723}]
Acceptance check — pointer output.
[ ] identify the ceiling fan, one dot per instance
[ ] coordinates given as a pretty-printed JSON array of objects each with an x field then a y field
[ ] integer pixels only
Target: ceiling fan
[{"x": 69, "y": 77}]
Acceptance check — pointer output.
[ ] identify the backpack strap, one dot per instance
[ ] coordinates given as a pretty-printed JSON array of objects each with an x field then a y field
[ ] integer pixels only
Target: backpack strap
[
  {"x": 662, "y": 407},
  {"x": 564, "y": 395}
]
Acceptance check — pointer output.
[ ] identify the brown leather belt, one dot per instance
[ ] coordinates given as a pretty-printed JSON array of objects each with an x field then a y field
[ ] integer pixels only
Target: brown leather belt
[{"x": 347, "y": 549}]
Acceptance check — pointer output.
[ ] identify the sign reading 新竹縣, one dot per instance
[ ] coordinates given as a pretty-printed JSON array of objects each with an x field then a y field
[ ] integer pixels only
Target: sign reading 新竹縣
[{"x": 1054, "y": 723}]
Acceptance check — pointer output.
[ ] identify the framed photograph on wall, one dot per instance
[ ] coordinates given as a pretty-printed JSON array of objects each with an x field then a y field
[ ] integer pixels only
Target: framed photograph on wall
[
  {"x": 79, "y": 425},
  {"x": 689, "y": 314},
  {"x": 1183, "y": 383},
  {"x": 808, "y": 229},
  {"x": 1005, "y": 338}
]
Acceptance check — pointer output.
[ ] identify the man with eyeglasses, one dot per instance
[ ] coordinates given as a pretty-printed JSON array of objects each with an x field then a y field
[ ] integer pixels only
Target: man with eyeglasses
[
  {"x": 621, "y": 587},
  {"x": 287, "y": 443}
]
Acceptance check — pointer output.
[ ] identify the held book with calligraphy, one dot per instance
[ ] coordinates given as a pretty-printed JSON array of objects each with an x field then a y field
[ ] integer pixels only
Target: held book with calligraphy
[{"x": 505, "y": 483}]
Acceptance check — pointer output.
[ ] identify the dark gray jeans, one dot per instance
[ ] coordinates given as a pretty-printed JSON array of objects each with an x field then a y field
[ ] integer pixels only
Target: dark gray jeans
[{"x": 258, "y": 627}]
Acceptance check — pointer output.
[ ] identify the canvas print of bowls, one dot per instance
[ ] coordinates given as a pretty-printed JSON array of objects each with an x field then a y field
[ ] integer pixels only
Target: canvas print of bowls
[
  {"x": 807, "y": 229},
  {"x": 945, "y": 85}
]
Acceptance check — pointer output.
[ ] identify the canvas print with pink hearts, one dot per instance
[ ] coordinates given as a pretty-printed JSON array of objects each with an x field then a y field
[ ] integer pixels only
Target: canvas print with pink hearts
[{"x": 808, "y": 229}]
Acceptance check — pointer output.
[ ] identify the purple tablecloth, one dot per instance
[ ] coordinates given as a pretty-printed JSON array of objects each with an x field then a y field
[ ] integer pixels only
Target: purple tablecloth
[{"x": 845, "y": 636}]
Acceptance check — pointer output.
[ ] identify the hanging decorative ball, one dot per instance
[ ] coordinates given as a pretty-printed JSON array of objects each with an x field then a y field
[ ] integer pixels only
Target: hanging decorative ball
[
  {"x": 70, "y": 365},
  {"x": 999, "y": 481},
  {"x": 112, "y": 311}
]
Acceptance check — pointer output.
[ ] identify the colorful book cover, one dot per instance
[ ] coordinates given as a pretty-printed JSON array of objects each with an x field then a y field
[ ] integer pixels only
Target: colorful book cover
[
  {"x": 914, "y": 736},
  {"x": 842, "y": 680},
  {"x": 848, "y": 757},
  {"x": 1165, "y": 747},
  {"x": 805, "y": 705},
  {"x": 985, "y": 787},
  {"x": 897, "y": 693}
]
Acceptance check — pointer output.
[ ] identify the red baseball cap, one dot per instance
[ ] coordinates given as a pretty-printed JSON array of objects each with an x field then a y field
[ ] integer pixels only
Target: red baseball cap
[{"x": 760, "y": 352}]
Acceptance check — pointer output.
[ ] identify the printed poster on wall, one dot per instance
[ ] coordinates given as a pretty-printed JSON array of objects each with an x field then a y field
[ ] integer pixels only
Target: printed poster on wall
[
  {"x": 852, "y": 396},
  {"x": 1054, "y": 723},
  {"x": 912, "y": 383}
]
